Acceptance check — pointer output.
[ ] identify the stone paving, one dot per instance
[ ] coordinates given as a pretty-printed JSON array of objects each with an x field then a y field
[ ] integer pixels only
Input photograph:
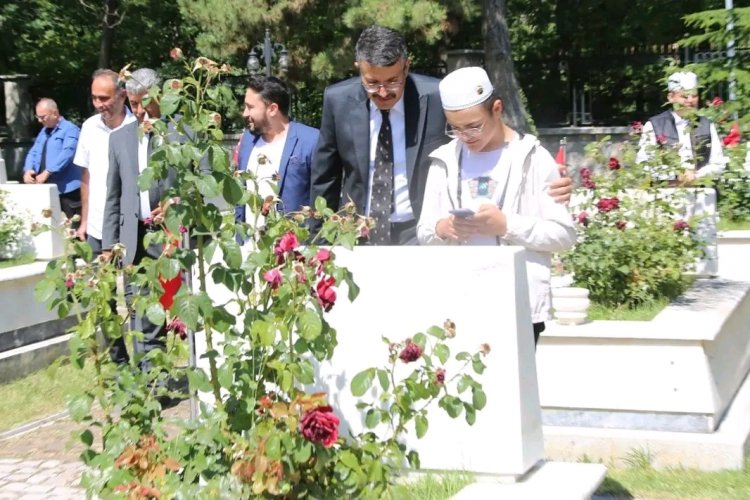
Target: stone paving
[{"x": 40, "y": 479}]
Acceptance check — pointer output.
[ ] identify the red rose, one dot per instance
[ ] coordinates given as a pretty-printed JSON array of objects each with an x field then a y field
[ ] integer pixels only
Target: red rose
[
  {"x": 320, "y": 425},
  {"x": 176, "y": 53},
  {"x": 680, "y": 225},
  {"x": 323, "y": 255},
  {"x": 439, "y": 376},
  {"x": 585, "y": 173},
  {"x": 621, "y": 224},
  {"x": 583, "y": 218},
  {"x": 177, "y": 327},
  {"x": 636, "y": 127},
  {"x": 273, "y": 277},
  {"x": 614, "y": 163},
  {"x": 732, "y": 139},
  {"x": 661, "y": 139},
  {"x": 325, "y": 293},
  {"x": 717, "y": 101},
  {"x": 608, "y": 204},
  {"x": 410, "y": 352}
]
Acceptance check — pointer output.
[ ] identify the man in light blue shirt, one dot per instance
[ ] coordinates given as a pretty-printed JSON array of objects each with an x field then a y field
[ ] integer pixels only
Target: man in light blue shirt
[{"x": 50, "y": 159}]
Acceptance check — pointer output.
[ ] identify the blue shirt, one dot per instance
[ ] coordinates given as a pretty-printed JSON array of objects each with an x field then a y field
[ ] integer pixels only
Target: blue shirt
[{"x": 61, "y": 148}]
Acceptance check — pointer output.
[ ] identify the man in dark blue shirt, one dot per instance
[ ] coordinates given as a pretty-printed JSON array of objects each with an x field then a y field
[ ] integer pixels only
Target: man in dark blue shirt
[{"x": 51, "y": 157}]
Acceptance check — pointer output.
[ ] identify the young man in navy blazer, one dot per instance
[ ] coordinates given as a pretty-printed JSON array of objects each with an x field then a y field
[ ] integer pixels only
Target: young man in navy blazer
[{"x": 276, "y": 149}]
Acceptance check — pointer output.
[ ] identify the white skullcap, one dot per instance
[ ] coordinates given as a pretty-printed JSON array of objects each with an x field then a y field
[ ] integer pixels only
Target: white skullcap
[
  {"x": 464, "y": 88},
  {"x": 682, "y": 81}
]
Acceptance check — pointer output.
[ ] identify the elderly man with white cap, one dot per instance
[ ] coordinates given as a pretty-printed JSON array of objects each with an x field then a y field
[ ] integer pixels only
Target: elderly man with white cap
[
  {"x": 699, "y": 144},
  {"x": 490, "y": 186}
]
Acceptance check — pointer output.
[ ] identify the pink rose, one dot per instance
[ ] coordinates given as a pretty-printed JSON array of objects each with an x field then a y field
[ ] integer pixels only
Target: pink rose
[
  {"x": 614, "y": 163},
  {"x": 439, "y": 376},
  {"x": 176, "y": 53},
  {"x": 636, "y": 127},
  {"x": 273, "y": 277},
  {"x": 325, "y": 293},
  {"x": 69, "y": 281},
  {"x": 287, "y": 243},
  {"x": 661, "y": 139},
  {"x": 320, "y": 425},
  {"x": 717, "y": 101},
  {"x": 621, "y": 224},
  {"x": 582, "y": 218},
  {"x": 323, "y": 255},
  {"x": 680, "y": 225},
  {"x": 410, "y": 352}
]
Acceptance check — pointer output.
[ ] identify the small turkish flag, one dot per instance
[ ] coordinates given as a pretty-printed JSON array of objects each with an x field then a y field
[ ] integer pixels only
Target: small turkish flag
[
  {"x": 560, "y": 156},
  {"x": 171, "y": 287}
]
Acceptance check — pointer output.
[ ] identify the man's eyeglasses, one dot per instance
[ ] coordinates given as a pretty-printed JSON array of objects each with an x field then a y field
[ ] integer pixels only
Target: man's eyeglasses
[
  {"x": 374, "y": 88},
  {"x": 467, "y": 133},
  {"x": 41, "y": 118}
]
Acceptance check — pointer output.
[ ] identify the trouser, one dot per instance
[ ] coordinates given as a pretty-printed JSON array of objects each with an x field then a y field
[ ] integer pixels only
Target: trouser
[
  {"x": 70, "y": 204},
  {"x": 538, "y": 329}
]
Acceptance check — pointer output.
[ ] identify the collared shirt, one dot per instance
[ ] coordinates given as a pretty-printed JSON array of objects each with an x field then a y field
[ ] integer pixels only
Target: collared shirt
[
  {"x": 61, "y": 147},
  {"x": 142, "y": 165},
  {"x": 93, "y": 154},
  {"x": 402, "y": 204}
]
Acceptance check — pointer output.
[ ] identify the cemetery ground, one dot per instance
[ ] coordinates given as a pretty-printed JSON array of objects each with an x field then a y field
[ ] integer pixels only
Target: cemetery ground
[{"x": 39, "y": 399}]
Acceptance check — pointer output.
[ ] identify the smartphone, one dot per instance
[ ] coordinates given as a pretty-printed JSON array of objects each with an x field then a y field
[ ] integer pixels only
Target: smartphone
[{"x": 462, "y": 212}]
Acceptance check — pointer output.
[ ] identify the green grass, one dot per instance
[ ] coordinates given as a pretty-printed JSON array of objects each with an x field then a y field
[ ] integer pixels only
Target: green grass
[
  {"x": 38, "y": 395},
  {"x": 433, "y": 487},
  {"x": 645, "y": 312},
  {"x": 726, "y": 224},
  {"x": 27, "y": 258},
  {"x": 676, "y": 483}
]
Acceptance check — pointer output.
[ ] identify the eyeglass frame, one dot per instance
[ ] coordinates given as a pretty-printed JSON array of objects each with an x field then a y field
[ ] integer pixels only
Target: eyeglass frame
[
  {"x": 469, "y": 133},
  {"x": 43, "y": 117},
  {"x": 389, "y": 86}
]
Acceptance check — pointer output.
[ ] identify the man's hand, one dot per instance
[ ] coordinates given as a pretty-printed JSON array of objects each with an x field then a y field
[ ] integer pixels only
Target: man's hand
[
  {"x": 561, "y": 189},
  {"x": 81, "y": 231},
  {"x": 490, "y": 221},
  {"x": 43, "y": 177},
  {"x": 29, "y": 177}
]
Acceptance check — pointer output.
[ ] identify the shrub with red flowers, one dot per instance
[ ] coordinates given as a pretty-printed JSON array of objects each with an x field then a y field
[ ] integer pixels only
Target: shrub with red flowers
[
  {"x": 627, "y": 252},
  {"x": 263, "y": 435}
]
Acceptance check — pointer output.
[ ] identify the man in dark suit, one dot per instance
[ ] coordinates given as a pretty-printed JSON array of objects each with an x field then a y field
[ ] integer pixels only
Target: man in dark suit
[
  {"x": 129, "y": 212},
  {"x": 376, "y": 135},
  {"x": 275, "y": 147}
]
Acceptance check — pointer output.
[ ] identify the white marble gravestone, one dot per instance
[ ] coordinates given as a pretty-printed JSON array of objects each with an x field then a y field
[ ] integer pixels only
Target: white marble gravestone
[{"x": 405, "y": 290}]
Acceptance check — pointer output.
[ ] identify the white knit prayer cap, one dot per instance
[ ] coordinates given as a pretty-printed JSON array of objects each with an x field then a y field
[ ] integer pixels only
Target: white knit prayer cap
[
  {"x": 686, "y": 80},
  {"x": 464, "y": 88}
]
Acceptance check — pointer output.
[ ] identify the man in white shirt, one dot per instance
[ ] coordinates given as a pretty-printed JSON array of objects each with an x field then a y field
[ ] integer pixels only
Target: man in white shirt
[
  {"x": 699, "y": 144},
  {"x": 92, "y": 154}
]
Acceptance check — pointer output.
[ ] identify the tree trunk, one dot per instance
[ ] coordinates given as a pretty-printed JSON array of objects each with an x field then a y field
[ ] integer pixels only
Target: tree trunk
[
  {"x": 499, "y": 63},
  {"x": 111, "y": 19}
]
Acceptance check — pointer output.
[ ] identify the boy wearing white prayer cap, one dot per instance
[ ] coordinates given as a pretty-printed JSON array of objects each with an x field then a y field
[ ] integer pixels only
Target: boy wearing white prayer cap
[
  {"x": 699, "y": 144},
  {"x": 489, "y": 186}
]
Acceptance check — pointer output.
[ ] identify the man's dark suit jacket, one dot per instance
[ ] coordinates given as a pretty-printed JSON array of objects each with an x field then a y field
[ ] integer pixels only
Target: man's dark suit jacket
[
  {"x": 122, "y": 207},
  {"x": 341, "y": 164}
]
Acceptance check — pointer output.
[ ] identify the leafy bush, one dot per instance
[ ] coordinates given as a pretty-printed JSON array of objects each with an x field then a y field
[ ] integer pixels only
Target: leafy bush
[
  {"x": 634, "y": 243},
  {"x": 264, "y": 435},
  {"x": 11, "y": 226}
]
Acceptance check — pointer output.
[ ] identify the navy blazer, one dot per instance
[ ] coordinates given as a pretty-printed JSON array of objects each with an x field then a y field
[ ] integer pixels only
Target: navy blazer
[{"x": 294, "y": 173}]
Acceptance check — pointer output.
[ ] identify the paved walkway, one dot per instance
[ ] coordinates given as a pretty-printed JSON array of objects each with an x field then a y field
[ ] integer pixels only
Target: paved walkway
[{"x": 39, "y": 479}]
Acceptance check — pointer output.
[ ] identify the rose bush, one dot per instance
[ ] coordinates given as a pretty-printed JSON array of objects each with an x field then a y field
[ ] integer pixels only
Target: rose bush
[
  {"x": 633, "y": 244},
  {"x": 263, "y": 435}
]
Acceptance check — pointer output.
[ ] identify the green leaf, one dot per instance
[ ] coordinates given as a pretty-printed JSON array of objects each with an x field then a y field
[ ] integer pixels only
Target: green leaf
[
  {"x": 155, "y": 313},
  {"x": 186, "y": 308},
  {"x": 264, "y": 332},
  {"x": 208, "y": 186},
  {"x": 309, "y": 324},
  {"x": 421, "y": 424},
  {"x": 464, "y": 383},
  {"x": 226, "y": 375},
  {"x": 79, "y": 406},
  {"x": 198, "y": 380},
  {"x": 420, "y": 339},
  {"x": 303, "y": 452},
  {"x": 436, "y": 331},
  {"x": 168, "y": 268},
  {"x": 383, "y": 379},
  {"x": 471, "y": 414},
  {"x": 478, "y": 365},
  {"x": 349, "y": 459},
  {"x": 273, "y": 447},
  {"x": 372, "y": 418},
  {"x": 232, "y": 253},
  {"x": 169, "y": 104},
  {"x": 232, "y": 190},
  {"x": 479, "y": 398},
  {"x": 87, "y": 437},
  {"x": 44, "y": 290},
  {"x": 442, "y": 352},
  {"x": 362, "y": 382}
]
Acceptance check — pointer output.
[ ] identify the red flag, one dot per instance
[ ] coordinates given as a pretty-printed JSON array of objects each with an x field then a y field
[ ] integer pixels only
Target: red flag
[
  {"x": 560, "y": 156},
  {"x": 171, "y": 287},
  {"x": 732, "y": 139}
]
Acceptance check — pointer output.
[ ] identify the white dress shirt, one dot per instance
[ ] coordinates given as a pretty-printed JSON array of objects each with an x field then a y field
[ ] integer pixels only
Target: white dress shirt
[
  {"x": 402, "y": 210},
  {"x": 142, "y": 164}
]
